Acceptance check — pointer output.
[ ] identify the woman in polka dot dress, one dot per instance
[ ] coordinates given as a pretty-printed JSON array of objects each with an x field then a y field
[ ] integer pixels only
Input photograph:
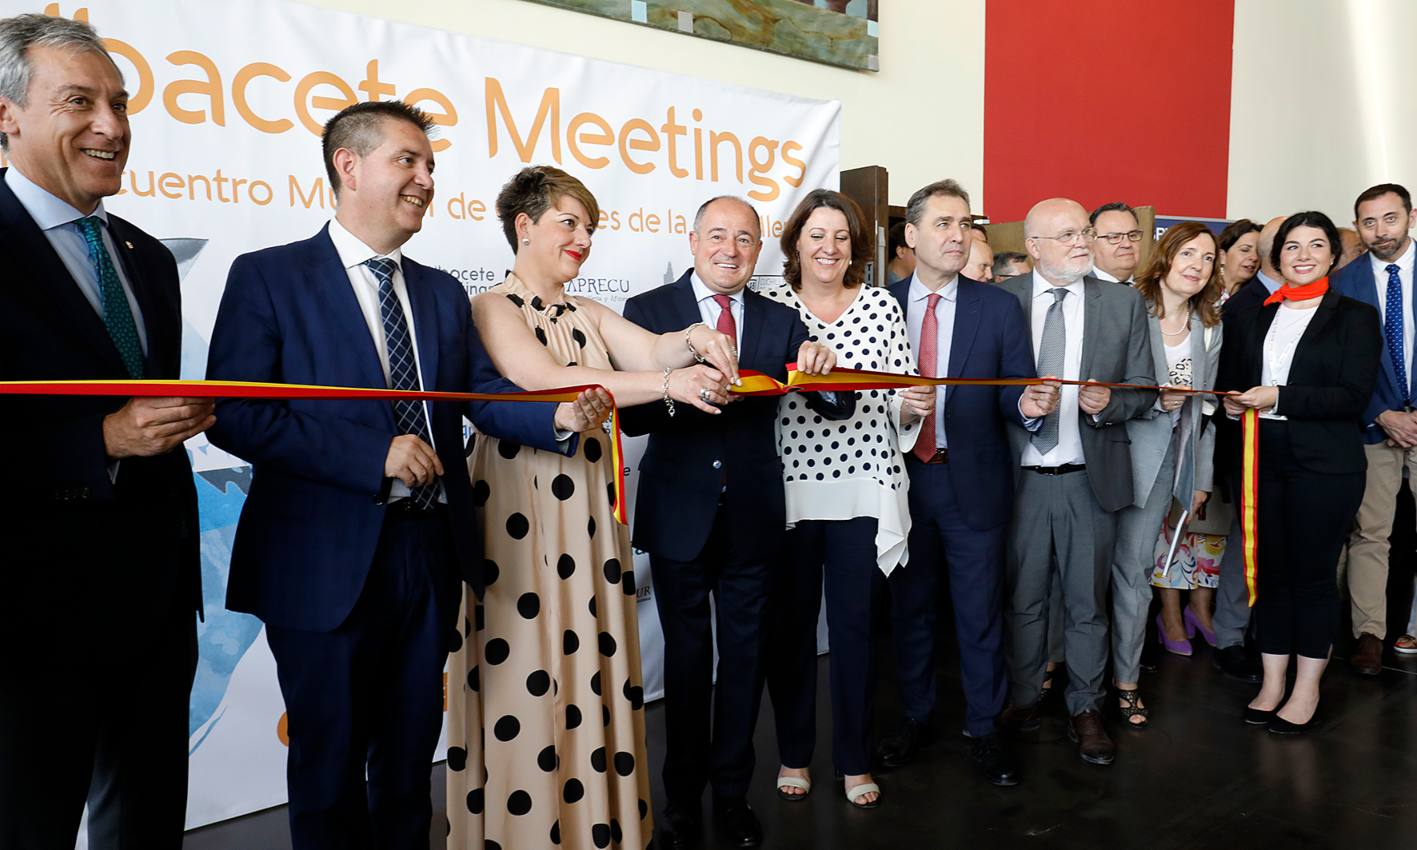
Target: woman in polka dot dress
[
  {"x": 846, "y": 493},
  {"x": 545, "y": 698}
]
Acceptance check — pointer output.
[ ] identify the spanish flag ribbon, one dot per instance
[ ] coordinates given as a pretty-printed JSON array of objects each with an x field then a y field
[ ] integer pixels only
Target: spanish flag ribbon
[
  {"x": 286, "y": 392},
  {"x": 753, "y": 384}
]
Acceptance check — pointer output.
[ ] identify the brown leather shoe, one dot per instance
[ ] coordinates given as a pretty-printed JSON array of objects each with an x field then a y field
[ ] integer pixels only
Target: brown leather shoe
[
  {"x": 1018, "y": 718},
  {"x": 1086, "y": 730},
  {"x": 1367, "y": 659}
]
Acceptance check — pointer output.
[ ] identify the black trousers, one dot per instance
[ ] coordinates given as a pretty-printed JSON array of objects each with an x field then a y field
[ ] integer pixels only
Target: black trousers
[
  {"x": 98, "y": 647},
  {"x": 844, "y": 552},
  {"x": 367, "y": 698},
  {"x": 1303, "y": 519},
  {"x": 708, "y": 728}
]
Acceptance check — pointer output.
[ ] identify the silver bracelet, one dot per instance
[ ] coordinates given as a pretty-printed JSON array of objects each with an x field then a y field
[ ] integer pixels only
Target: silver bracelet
[
  {"x": 689, "y": 344},
  {"x": 668, "y": 402}
]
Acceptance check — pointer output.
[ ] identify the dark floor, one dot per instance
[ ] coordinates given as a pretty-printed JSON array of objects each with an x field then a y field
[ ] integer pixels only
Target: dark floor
[{"x": 1197, "y": 778}]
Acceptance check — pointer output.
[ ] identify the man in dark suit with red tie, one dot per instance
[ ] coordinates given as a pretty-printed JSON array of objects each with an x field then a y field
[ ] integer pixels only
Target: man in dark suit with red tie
[
  {"x": 960, "y": 502},
  {"x": 102, "y": 581}
]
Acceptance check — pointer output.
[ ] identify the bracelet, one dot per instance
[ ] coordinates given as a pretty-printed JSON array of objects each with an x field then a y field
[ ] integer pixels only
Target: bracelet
[
  {"x": 689, "y": 343},
  {"x": 668, "y": 402}
]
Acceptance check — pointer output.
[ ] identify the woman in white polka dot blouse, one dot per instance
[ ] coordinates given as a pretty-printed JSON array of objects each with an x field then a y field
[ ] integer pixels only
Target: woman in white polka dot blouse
[{"x": 846, "y": 494}]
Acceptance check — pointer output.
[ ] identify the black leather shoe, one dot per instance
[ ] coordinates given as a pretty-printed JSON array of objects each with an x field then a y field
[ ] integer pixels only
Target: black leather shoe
[
  {"x": 680, "y": 828},
  {"x": 993, "y": 760},
  {"x": 902, "y": 748},
  {"x": 1016, "y": 720},
  {"x": 1258, "y": 717},
  {"x": 1236, "y": 663},
  {"x": 737, "y": 825}
]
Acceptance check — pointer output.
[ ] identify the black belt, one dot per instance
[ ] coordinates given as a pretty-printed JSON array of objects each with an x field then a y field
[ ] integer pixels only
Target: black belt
[
  {"x": 409, "y": 509},
  {"x": 1057, "y": 470},
  {"x": 940, "y": 456}
]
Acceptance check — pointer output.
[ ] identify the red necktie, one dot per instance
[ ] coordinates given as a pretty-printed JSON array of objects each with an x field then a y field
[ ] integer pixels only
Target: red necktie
[
  {"x": 929, "y": 337},
  {"x": 725, "y": 318}
]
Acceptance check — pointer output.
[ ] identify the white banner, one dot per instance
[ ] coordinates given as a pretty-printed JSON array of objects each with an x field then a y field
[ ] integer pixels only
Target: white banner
[{"x": 227, "y": 104}]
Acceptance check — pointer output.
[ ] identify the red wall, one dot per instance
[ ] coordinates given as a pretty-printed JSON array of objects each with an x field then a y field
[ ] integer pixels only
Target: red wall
[{"x": 1107, "y": 100}]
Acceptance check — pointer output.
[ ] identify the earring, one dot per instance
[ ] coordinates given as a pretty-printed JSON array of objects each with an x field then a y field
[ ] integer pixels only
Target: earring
[{"x": 526, "y": 241}]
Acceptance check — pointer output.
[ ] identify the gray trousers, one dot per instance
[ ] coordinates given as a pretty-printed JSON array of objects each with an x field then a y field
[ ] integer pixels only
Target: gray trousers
[
  {"x": 1131, "y": 571},
  {"x": 1232, "y": 601},
  {"x": 1058, "y": 516}
]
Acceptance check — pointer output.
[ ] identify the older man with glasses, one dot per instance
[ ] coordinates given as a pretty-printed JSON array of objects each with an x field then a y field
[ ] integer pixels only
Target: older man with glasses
[
  {"x": 1116, "y": 247},
  {"x": 1074, "y": 469}
]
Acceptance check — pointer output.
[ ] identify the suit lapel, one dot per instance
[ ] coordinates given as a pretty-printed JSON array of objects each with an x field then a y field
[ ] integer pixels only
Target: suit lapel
[
  {"x": 754, "y": 318},
  {"x": 425, "y": 322},
  {"x": 966, "y": 324},
  {"x": 330, "y": 281},
  {"x": 141, "y": 279},
  {"x": 1092, "y": 295},
  {"x": 1323, "y": 314},
  {"x": 49, "y": 282}
]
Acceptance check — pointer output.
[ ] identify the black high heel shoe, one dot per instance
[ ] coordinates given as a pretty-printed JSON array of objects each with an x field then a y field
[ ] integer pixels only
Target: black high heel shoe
[
  {"x": 1258, "y": 717},
  {"x": 1280, "y": 726}
]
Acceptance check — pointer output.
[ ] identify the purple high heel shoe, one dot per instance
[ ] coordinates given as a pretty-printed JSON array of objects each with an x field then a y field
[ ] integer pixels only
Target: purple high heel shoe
[
  {"x": 1175, "y": 647},
  {"x": 1193, "y": 625}
]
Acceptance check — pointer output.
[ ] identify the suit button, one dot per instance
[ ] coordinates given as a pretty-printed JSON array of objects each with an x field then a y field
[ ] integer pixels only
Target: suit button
[{"x": 718, "y": 464}]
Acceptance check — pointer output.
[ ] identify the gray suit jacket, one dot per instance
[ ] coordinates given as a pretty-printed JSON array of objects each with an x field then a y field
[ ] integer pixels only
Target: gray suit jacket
[
  {"x": 1150, "y": 433},
  {"x": 1116, "y": 346}
]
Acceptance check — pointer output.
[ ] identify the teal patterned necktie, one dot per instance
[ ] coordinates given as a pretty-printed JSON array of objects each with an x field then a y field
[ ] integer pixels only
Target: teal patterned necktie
[{"x": 117, "y": 316}]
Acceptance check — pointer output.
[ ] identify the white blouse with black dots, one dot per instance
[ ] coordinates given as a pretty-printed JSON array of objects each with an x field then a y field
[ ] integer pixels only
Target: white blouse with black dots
[{"x": 855, "y": 467}]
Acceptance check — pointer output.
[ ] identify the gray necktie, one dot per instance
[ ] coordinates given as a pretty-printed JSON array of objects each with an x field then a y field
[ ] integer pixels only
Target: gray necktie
[{"x": 1050, "y": 362}]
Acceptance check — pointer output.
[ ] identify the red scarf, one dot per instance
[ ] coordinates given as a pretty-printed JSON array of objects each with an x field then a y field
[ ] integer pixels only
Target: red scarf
[{"x": 1287, "y": 292}]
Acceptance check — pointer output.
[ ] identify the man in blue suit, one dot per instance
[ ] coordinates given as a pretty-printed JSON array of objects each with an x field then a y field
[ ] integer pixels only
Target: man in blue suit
[
  {"x": 1383, "y": 279},
  {"x": 359, "y": 524},
  {"x": 711, "y": 511},
  {"x": 960, "y": 501}
]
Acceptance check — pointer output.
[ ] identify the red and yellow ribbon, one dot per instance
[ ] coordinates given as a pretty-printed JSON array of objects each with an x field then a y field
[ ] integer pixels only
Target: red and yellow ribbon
[
  {"x": 285, "y": 392},
  {"x": 753, "y": 384}
]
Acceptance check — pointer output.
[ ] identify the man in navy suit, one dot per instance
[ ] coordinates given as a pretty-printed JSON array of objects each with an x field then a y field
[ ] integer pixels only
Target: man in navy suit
[
  {"x": 102, "y": 578},
  {"x": 711, "y": 511},
  {"x": 1383, "y": 279},
  {"x": 358, "y": 526},
  {"x": 960, "y": 501}
]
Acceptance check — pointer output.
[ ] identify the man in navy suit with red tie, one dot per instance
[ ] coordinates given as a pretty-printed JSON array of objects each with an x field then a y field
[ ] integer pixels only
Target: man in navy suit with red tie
[
  {"x": 358, "y": 527},
  {"x": 961, "y": 478}
]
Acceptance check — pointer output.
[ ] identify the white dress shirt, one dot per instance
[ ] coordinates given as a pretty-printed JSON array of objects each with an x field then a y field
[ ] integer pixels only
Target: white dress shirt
[
  {"x": 352, "y": 254},
  {"x": 1404, "y": 274},
  {"x": 709, "y": 309},
  {"x": 1280, "y": 343},
  {"x": 1271, "y": 284},
  {"x": 917, "y": 297},
  {"x": 1110, "y": 278},
  {"x": 59, "y": 223},
  {"x": 1069, "y": 448}
]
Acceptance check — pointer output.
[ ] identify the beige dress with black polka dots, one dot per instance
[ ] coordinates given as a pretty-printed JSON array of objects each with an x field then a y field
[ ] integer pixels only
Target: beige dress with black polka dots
[{"x": 546, "y": 739}]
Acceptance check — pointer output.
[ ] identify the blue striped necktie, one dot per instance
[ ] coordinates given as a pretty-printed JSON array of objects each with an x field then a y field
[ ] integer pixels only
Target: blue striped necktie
[
  {"x": 403, "y": 368},
  {"x": 117, "y": 315}
]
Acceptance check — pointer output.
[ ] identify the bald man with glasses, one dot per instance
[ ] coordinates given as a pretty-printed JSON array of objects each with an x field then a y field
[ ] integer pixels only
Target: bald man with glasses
[{"x": 1074, "y": 470}]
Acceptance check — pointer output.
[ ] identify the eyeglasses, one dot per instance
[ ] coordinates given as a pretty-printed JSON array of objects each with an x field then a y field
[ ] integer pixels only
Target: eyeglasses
[
  {"x": 1116, "y": 238},
  {"x": 1068, "y": 236}
]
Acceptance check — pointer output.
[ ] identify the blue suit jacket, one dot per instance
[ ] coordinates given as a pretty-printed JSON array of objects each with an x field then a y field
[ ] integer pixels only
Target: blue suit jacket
[
  {"x": 1357, "y": 281},
  {"x": 692, "y": 455},
  {"x": 312, "y": 519},
  {"x": 990, "y": 340}
]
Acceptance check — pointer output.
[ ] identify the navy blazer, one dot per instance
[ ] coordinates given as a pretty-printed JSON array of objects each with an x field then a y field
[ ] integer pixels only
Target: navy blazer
[
  {"x": 60, "y": 504},
  {"x": 312, "y": 519},
  {"x": 1357, "y": 281},
  {"x": 693, "y": 455},
  {"x": 990, "y": 339}
]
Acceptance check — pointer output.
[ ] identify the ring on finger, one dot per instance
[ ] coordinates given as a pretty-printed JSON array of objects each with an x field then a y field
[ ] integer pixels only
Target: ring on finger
[{"x": 703, "y": 394}]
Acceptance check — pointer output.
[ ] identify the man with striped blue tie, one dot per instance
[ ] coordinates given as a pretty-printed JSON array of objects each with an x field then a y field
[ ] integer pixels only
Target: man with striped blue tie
[
  {"x": 1383, "y": 278},
  {"x": 356, "y": 535}
]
